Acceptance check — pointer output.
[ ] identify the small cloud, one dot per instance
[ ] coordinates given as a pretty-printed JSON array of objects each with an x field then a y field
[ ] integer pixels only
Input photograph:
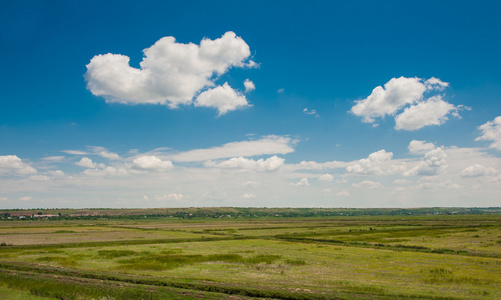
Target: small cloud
[
  {"x": 75, "y": 152},
  {"x": 491, "y": 131},
  {"x": 86, "y": 163},
  {"x": 103, "y": 152},
  {"x": 57, "y": 173},
  {"x": 170, "y": 197},
  {"x": 249, "y": 196},
  {"x": 26, "y": 198},
  {"x": 326, "y": 178},
  {"x": 420, "y": 147},
  {"x": 249, "y": 85},
  {"x": 280, "y": 91},
  {"x": 435, "y": 84},
  {"x": 368, "y": 184},
  {"x": 343, "y": 194},
  {"x": 271, "y": 164},
  {"x": 224, "y": 98},
  {"x": 311, "y": 112},
  {"x": 175, "y": 197},
  {"x": 302, "y": 182},
  {"x": 151, "y": 163},
  {"x": 477, "y": 170}
]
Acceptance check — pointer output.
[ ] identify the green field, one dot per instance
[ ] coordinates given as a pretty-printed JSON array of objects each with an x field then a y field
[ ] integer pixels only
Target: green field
[{"x": 330, "y": 257}]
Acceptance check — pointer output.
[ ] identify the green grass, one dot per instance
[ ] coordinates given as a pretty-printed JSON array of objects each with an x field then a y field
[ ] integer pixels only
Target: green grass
[
  {"x": 382, "y": 257},
  {"x": 14, "y": 294}
]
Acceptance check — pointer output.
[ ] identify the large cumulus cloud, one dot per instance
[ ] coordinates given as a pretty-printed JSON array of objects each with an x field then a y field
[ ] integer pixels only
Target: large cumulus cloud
[
  {"x": 408, "y": 101},
  {"x": 170, "y": 73}
]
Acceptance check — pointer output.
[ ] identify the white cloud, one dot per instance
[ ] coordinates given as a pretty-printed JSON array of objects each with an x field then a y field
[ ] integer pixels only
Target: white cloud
[
  {"x": 267, "y": 145},
  {"x": 386, "y": 101},
  {"x": 249, "y": 196},
  {"x": 435, "y": 83},
  {"x": 311, "y": 112},
  {"x": 271, "y": 164},
  {"x": 343, "y": 194},
  {"x": 434, "y": 162},
  {"x": 101, "y": 151},
  {"x": 302, "y": 182},
  {"x": 170, "y": 197},
  {"x": 326, "y": 178},
  {"x": 57, "y": 173},
  {"x": 3, "y": 198},
  {"x": 407, "y": 94},
  {"x": 372, "y": 164},
  {"x": 367, "y": 184},
  {"x": 433, "y": 111},
  {"x": 75, "y": 152},
  {"x": 94, "y": 150},
  {"x": 224, "y": 98},
  {"x": 175, "y": 197},
  {"x": 12, "y": 164},
  {"x": 313, "y": 165},
  {"x": 477, "y": 170},
  {"x": 420, "y": 147},
  {"x": 280, "y": 91},
  {"x": 491, "y": 131},
  {"x": 107, "y": 171},
  {"x": 87, "y": 163},
  {"x": 151, "y": 163},
  {"x": 25, "y": 198},
  {"x": 170, "y": 73},
  {"x": 249, "y": 85}
]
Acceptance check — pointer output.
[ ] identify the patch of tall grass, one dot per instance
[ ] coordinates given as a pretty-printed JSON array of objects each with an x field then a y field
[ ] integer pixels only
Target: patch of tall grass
[
  {"x": 62, "y": 288},
  {"x": 115, "y": 253},
  {"x": 63, "y": 260},
  {"x": 159, "y": 262}
]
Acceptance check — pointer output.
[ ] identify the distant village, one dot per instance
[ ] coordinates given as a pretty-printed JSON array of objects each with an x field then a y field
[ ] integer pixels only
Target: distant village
[{"x": 38, "y": 216}]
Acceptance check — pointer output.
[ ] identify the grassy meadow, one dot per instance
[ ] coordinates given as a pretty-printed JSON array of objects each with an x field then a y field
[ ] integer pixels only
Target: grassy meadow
[{"x": 329, "y": 257}]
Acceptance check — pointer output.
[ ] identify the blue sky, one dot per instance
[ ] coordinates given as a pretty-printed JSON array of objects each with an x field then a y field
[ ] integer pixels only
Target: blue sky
[{"x": 262, "y": 103}]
